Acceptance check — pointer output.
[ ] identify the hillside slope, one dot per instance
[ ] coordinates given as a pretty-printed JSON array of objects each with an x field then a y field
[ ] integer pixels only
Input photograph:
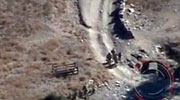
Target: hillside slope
[{"x": 35, "y": 34}]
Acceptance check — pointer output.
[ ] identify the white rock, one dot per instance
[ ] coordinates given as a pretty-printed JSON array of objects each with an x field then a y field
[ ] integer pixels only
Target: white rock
[
  {"x": 127, "y": 21},
  {"x": 105, "y": 83},
  {"x": 91, "y": 81},
  {"x": 127, "y": 88},
  {"x": 175, "y": 10},
  {"x": 81, "y": 40},
  {"x": 118, "y": 82},
  {"x": 134, "y": 28},
  {"x": 123, "y": 96},
  {"x": 102, "y": 85},
  {"x": 132, "y": 5},
  {"x": 157, "y": 48}
]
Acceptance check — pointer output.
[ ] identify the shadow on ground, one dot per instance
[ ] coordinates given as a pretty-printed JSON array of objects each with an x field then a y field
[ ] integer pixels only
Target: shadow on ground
[
  {"x": 119, "y": 29},
  {"x": 133, "y": 95}
]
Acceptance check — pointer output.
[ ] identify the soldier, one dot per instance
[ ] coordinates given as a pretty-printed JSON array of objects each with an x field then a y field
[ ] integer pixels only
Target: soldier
[
  {"x": 119, "y": 56},
  {"x": 108, "y": 58},
  {"x": 114, "y": 56}
]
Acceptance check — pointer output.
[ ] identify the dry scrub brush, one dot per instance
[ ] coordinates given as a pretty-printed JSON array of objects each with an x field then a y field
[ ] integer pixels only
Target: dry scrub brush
[{"x": 26, "y": 16}]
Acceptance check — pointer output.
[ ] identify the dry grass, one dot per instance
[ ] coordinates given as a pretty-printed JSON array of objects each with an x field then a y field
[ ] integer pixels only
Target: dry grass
[{"x": 24, "y": 70}]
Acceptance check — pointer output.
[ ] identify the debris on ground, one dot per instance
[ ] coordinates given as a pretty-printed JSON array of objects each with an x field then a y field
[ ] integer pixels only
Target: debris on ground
[
  {"x": 130, "y": 11},
  {"x": 65, "y": 70}
]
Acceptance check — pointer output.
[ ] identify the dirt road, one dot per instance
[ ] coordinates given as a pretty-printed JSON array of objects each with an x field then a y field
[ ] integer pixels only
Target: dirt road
[{"x": 96, "y": 16}]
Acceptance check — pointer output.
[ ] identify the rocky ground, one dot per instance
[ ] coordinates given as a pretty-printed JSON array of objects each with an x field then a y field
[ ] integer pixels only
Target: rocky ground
[
  {"x": 37, "y": 33},
  {"x": 152, "y": 23}
]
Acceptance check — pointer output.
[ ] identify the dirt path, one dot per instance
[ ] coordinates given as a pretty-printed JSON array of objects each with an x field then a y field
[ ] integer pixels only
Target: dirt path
[
  {"x": 92, "y": 14},
  {"x": 95, "y": 45},
  {"x": 100, "y": 12}
]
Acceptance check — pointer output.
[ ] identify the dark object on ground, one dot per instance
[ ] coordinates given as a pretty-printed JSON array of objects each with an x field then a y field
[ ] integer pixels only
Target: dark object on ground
[
  {"x": 108, "y": 58},
  {"x": 119, "y": 29},
  {"x": 74, "y": 95},
  {"x": 130, "y": 63},
  {"x": 114, "y": 56},
  {"x": 144, "y": 52},
  {"x": 111, "y": 66},
  {"x": 53, "y": 97},
  {"x": 173, "y": 51},
  {"x": 119, "y": 55},
  {"x": 113, "y": 52},
  {"x": 157, "y": 85},
  {"x": 65, "y": 70},
  {"x": 177, "y": 74},
  {"x": 85, "y": 93},
  {"x": 138, "y": 57}
]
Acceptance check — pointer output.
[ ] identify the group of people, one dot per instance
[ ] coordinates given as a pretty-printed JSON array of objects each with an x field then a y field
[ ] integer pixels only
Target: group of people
[{"x": 114, "y": 57}]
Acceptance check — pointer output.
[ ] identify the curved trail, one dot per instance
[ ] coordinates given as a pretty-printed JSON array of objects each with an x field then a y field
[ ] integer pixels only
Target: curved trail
[{"x": 96, "y": 15}]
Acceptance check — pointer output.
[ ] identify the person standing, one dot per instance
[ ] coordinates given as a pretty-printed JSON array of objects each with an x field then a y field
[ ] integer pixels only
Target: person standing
[
  {"x": 114, "y": 56},
  {"x": 108, "y": 58},
  {"x": 119, "y": 56}
]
